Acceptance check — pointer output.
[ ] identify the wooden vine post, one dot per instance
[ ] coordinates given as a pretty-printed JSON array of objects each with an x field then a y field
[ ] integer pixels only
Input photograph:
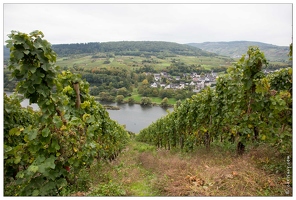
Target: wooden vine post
[{"x": 76, "y": 88}]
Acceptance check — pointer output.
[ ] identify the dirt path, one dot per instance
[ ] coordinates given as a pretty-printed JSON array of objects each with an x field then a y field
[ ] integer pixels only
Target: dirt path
[{"x": 142, "y": 170}]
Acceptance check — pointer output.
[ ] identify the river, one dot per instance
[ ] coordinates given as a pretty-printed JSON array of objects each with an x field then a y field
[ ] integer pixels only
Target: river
[{"x": 135, "y": 117}]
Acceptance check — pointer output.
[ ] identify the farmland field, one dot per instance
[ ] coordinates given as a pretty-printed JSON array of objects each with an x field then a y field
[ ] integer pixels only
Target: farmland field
[{"x": 134, "y": 62}]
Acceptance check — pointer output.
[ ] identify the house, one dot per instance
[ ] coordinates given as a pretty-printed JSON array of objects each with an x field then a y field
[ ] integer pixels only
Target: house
[
  {"x": 154, "y": 85},
  {"x": 177, "y": 78},
  {"x": 195, "y": 79},
  {"x": 157, "y": 77},
  {"x": 192, "y": 83},
  {"x": 212, "y": 76},
  {"x": 174, "y": 86},
  {"x": 193, "y": 74},
  {"x": 168, "y": 86},
  {"x": 171, "y": 86},
  {"x": 169, "y": 77},
  {"x": 267, "y": 71},
  {"x": 208, "y": 83},
  {"x": 202, "y": 78},
  {"x": 186, "y": 75},
  {"x": 181, "y": 86},
  {"x": 164, "y": 74},
  {"x": 200, "y": 85}
]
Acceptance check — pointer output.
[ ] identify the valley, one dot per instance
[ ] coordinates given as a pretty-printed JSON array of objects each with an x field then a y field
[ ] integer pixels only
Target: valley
[
  {"x": 171, "y": 70},
  {"x": 232, "y": 138}
]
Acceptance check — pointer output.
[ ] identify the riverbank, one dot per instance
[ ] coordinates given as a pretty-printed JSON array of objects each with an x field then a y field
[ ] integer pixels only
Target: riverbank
[
  {"x": 154, "y": 102},
  {"x": 109, "y": 107}
]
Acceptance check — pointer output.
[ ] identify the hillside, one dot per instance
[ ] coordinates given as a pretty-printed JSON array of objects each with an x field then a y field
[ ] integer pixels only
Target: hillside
[
  {"x": 168, "y": 49},
  {"x": 126, "y": 48},
  {"x": 236, "y": 48},
  {"x": 130, "y": 48},
  {"x": 133, "y": 55}
]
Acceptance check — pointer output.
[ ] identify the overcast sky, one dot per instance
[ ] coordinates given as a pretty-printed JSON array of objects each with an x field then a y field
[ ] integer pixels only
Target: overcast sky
[{"x": 181, "y": 23}]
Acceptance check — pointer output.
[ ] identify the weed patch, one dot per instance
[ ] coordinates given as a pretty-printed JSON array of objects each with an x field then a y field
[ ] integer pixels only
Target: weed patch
[
  {"x": 144, "y": 170},
  {"x": 108, "y": 189}
]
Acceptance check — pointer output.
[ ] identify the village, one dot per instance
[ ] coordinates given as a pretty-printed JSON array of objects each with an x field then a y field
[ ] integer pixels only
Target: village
[{"x": 193, "y": 80}]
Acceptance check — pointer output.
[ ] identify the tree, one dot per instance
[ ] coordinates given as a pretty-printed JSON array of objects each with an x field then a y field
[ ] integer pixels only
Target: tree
[
  {"x": 94, "y": 91},
  {"x": 165, "y": 102},
  {"x": 150, "y": 78},
  {"x": 107, "y": 61},
  {"x": 145, "y": 101},
  {"x": 178, "y": 103},
  {"x": 154, "y": 92},
  {"x": 131, "y": 100},
  {"x": 105, "y": 96},
  {"x": 145, "y": 82},
  {"x": 122, "y": 91},
  {"x": 119, "y": 98}
]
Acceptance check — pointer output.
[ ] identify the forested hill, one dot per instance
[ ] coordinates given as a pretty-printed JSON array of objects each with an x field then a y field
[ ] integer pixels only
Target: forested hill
[
  {"x": 235, "y": 49},
  {"x": 133, "y": 48}
]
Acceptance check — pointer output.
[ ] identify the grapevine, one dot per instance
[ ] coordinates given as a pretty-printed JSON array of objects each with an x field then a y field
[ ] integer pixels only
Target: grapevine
[{"x": 45, "y": 150}]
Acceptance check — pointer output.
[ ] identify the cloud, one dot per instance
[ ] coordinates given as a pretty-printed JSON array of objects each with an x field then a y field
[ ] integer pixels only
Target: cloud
[{"x": 182, "y": 23}]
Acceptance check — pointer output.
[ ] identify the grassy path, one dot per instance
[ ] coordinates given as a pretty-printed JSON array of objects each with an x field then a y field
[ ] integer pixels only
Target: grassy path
[
  {"x": 125, "y": 176},
  {"x": 137, "y": 180},
  {"x": 143, "y": 170}
]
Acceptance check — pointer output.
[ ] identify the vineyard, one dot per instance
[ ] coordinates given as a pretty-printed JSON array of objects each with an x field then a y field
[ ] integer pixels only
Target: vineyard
[
  {"x": 44, "y": 151},
  {"x": 47, "y": 151},
  {"x": 245, "y": 107}
]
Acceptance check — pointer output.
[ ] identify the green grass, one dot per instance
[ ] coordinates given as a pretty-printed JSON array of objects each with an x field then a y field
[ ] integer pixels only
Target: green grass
[
  {"x": 157, "y": 100},
  {"x": 137, "y": 97},
  {"x": 143, "y": 188}
]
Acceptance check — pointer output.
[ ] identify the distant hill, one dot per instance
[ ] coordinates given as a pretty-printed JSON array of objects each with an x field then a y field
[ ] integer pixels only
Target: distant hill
[
  {"x": 133, "y": 48},
  {"x": 235, "y": 49},
  {"x": 129, "y": 48}
]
